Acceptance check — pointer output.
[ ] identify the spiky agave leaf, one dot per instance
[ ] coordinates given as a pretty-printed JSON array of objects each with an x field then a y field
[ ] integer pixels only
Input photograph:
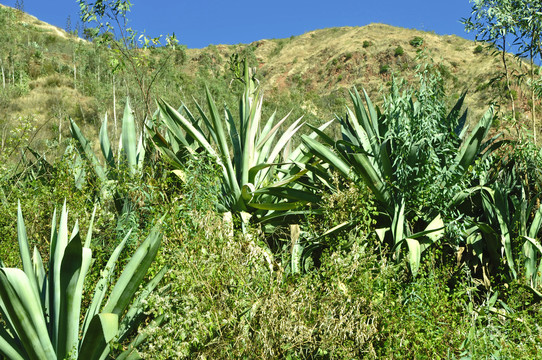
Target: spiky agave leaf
[{"x": 42, "y": 312}]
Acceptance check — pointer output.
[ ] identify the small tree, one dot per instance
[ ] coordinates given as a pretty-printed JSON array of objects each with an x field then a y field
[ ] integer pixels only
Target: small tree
[
  {"x": 494, "y": 21},
  {"x": 503, "y": 21},
  {"x": 528, "y": 16},
  {"x": 110, "y": 21},
  {"x": 19, "y": 5}
]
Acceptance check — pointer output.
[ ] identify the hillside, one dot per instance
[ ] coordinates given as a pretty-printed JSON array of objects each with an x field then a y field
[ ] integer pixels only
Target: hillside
[
  {"x": 327, "y": 61},
  {"x": 50, "y": 75}
]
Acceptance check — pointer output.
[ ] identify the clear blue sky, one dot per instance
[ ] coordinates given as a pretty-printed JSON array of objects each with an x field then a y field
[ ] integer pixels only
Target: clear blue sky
[{"x": 200, "y": 23}]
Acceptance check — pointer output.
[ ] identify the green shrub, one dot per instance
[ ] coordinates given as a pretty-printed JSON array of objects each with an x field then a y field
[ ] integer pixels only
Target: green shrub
[
  {"x": 416, "y": 41},
  {"x": 384, "y": 69},
  {"x": 53, "y": 81},
  {"x": 399, "y": 51},
  {"x": 367, "y": 43},
  {"x": 444, "y": 71},
  {"x": 347, "y": 202},
  {"x": 417, "y": 164},
  {"x": 478, "y": 49},
  {"x": 180, "y": 57}
]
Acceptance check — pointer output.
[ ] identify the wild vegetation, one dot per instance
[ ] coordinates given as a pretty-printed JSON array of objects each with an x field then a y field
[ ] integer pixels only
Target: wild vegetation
[{"x": 224, "y": 224}]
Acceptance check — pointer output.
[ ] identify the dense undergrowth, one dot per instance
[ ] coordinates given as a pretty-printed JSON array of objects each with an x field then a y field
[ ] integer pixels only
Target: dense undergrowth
[{"x": 223, "y": 300}]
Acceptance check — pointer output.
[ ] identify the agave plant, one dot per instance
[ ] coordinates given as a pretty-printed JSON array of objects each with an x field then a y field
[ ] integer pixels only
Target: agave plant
[
  {"x": 258, "y": 172},
  {"x": 176, "y": 144},
  {"x": 504, "y": 232},
  {"x": 131, "y": 155},
  {"x": 403, "y": 156},
  {"x": 41, "y": 311},
  {"x": 131, "y": 151}
]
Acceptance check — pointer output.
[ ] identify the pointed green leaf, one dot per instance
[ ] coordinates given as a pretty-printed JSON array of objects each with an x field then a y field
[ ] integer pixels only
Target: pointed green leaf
[
  {"x": 398, "y": 222},
  {"x": 236, "y": 143},
  {"x": 9, "y": 348},
  {"x": 414, "y": 255},
  {"x": 75, "y": 265},
  {"x": 85, "y": 149},
  {"x": 102, "y": 285},
  {"x": 41, "y": 277},
  {"x": 371, "y": 177},
  {"x": 105, "y": 144},
  {"x": 328, "y": 156},
  {"x": 289, "y": 193},
  {"x": 435, "y": 229},
  {"x": 223, "y": 147},
  {"x": 22, "y": 306},
  {"x": 55, "y": 263},
  {"x": 297, "y": 154},
  {"x": 129, "y": 137},
  {"x": 471, "y": 146},
  {"x": 275, "y": 206},
  {"x": 381, "y": 233},
  {"x": 284, "y": 139},
  {"x": 536, "y": 224},
  {"x": 334, "y": 230},
  {"x": 133, "y": 274},
  {"x": 24, "y": 250},
  {"x": 102, "y": 330}
]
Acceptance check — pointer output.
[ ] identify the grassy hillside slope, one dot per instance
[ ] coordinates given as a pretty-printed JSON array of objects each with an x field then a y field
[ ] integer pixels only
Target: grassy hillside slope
[{"x": 51, "y": 75}]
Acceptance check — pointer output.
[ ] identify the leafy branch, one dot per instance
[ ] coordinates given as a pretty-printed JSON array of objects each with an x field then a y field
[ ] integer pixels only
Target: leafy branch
[{"x": 132, "y": 49}]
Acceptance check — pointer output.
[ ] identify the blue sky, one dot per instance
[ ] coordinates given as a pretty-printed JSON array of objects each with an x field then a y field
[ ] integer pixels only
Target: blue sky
[{"x": 200, "y": 23}]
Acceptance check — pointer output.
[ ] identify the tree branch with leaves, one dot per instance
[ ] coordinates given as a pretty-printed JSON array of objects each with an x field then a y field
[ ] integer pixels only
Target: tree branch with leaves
[
  {"x": 131, "y": 49},
  {"x": 502, "y": 23},
  {"x": 494, "y": 21}
]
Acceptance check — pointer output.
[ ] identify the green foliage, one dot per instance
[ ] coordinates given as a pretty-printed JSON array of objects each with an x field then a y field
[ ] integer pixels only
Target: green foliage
[
  {"x": 494, "y": 21},
  {"x": 338, "y": 284},
  {"x": 399, "y": 51},
  {"x": 416, "y": 41},
  {"x": 384, "y": 69},
  {"x": 357, "y": 305},
  {"x": 413, "y": 158},
  {"x": 502, "y": 233},
  {"x": 129, "y": 164},
  {"x": 257, "y": 172},
  {"x": 42, "y": 311},
  {"x": 478, "y": 49},
  {"x": 349, "y": 209}
]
